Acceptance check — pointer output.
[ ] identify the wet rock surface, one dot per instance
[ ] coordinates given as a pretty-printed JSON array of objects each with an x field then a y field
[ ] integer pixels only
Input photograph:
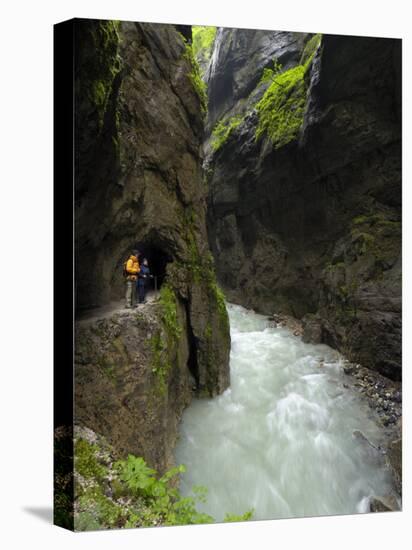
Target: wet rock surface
[
  {"x": 394, "y": 458},
  {"x": 314, "y": 227},
  {"x": 282, "y": 320},
  {"x": 139, "y": 180},
  {"x": 383, "y": 394},
  {"x": 384, "y": 397},
  {"x": 312, "y": 329},
  {"x": 236, "y": 66},
  {"x": 310, "y": 230},
  {"x": 383, "y": 504},
  {"x": 128, "y": 387},
  {"x": 139, "y": 183}
]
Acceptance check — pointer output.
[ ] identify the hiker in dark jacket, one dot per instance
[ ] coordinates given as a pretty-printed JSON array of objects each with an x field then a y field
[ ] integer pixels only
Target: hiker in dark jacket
[{"x": 142, "y": 280}]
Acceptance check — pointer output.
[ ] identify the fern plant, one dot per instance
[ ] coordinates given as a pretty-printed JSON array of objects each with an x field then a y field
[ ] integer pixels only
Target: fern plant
[{"x": 270, "y": 73}]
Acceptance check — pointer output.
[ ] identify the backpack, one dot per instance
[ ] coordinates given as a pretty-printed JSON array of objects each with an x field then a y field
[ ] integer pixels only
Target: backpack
[{"x": 125, "y": 273}]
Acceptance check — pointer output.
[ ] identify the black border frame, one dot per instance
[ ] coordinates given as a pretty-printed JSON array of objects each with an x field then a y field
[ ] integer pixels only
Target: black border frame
[{"x": 63, "y": 271}]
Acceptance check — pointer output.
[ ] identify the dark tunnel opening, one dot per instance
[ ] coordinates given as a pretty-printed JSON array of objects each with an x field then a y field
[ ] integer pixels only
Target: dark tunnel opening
[
  {"x": 112, "y": 290},
  {"x": 157, "y": 260}
]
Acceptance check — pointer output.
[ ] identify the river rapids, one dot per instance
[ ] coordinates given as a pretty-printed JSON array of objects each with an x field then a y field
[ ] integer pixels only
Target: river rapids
[{"x": 284, "y": 439}]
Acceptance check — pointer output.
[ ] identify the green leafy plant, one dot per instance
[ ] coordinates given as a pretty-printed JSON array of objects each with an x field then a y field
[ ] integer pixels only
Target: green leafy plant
[
  {"x": 163, "y": 499},
  {"x": 135, "y": 473},
  {"x": 270, "y": 73},
  {"x": 128, "y": 493}
]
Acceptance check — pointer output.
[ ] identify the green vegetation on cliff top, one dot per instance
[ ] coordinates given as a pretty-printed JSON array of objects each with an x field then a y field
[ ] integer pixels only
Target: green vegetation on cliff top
[{"x": 203, "y": 40}]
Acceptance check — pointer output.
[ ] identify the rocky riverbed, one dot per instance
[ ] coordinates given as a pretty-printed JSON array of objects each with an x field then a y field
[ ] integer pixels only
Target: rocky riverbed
[{"x": 384, "y": 397}]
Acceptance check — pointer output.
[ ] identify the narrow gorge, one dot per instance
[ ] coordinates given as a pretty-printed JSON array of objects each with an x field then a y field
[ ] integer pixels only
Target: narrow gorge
[{"x": 259, "y": 172}]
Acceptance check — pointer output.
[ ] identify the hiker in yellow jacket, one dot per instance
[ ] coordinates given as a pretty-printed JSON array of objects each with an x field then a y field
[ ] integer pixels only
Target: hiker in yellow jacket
[{"x": 132, "y": 269}]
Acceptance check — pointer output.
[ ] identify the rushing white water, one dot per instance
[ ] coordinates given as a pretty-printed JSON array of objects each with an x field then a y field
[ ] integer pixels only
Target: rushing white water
[{"x": 281, "y": 439}]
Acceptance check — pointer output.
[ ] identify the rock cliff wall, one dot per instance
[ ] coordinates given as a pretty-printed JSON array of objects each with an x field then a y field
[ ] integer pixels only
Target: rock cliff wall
[
  {"x": 312, "y": 227},
  {"x": 238, "y": 59},
  {"x": 132, "y": 382},
  {"x": 139, "y": 182}
]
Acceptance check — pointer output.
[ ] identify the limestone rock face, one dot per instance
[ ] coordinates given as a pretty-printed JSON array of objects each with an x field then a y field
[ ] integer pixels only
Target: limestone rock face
[
  {"x": 139, "y": 182},
  {"x": 314, "y": 226},
  {"x": 128, "y": 387},
  {"x": 138, "y": 177},
  {"x": 236, "y": 66}
]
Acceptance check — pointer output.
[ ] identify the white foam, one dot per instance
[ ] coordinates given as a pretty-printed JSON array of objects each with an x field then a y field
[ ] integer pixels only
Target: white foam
[{"x": 280, "y": 440}]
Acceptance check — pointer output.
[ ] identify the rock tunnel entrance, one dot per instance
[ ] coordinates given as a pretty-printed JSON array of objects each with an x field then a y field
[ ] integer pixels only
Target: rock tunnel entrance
[{"x": 157, "y": 259}]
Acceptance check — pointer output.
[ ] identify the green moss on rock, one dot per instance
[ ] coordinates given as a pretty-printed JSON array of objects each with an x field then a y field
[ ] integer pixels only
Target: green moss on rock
[
  {"x": 310, "y": 49},
  {"x": 160, "y": 365},
  {"x": 168, "y": 302},
  {"x": 202, "y": 271},
  {"x": 377, "y": 235},
  {"x": 164, "y": 345},
  {"x": 63, "y": 477},
  {"x": 282, "y": 107},
  {"x": 100, "y": 77},
  {"x": 223, "y": 129},
  {"x": 196, "y": 78},
  {"x": 98, "y": 511},
  {"x": 219, "y": 299},
  {"x": 85, "y": 461}
]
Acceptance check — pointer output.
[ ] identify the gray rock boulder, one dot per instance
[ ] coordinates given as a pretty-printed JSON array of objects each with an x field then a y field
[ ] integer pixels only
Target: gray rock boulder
[{"x": 384, "y": 504}]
